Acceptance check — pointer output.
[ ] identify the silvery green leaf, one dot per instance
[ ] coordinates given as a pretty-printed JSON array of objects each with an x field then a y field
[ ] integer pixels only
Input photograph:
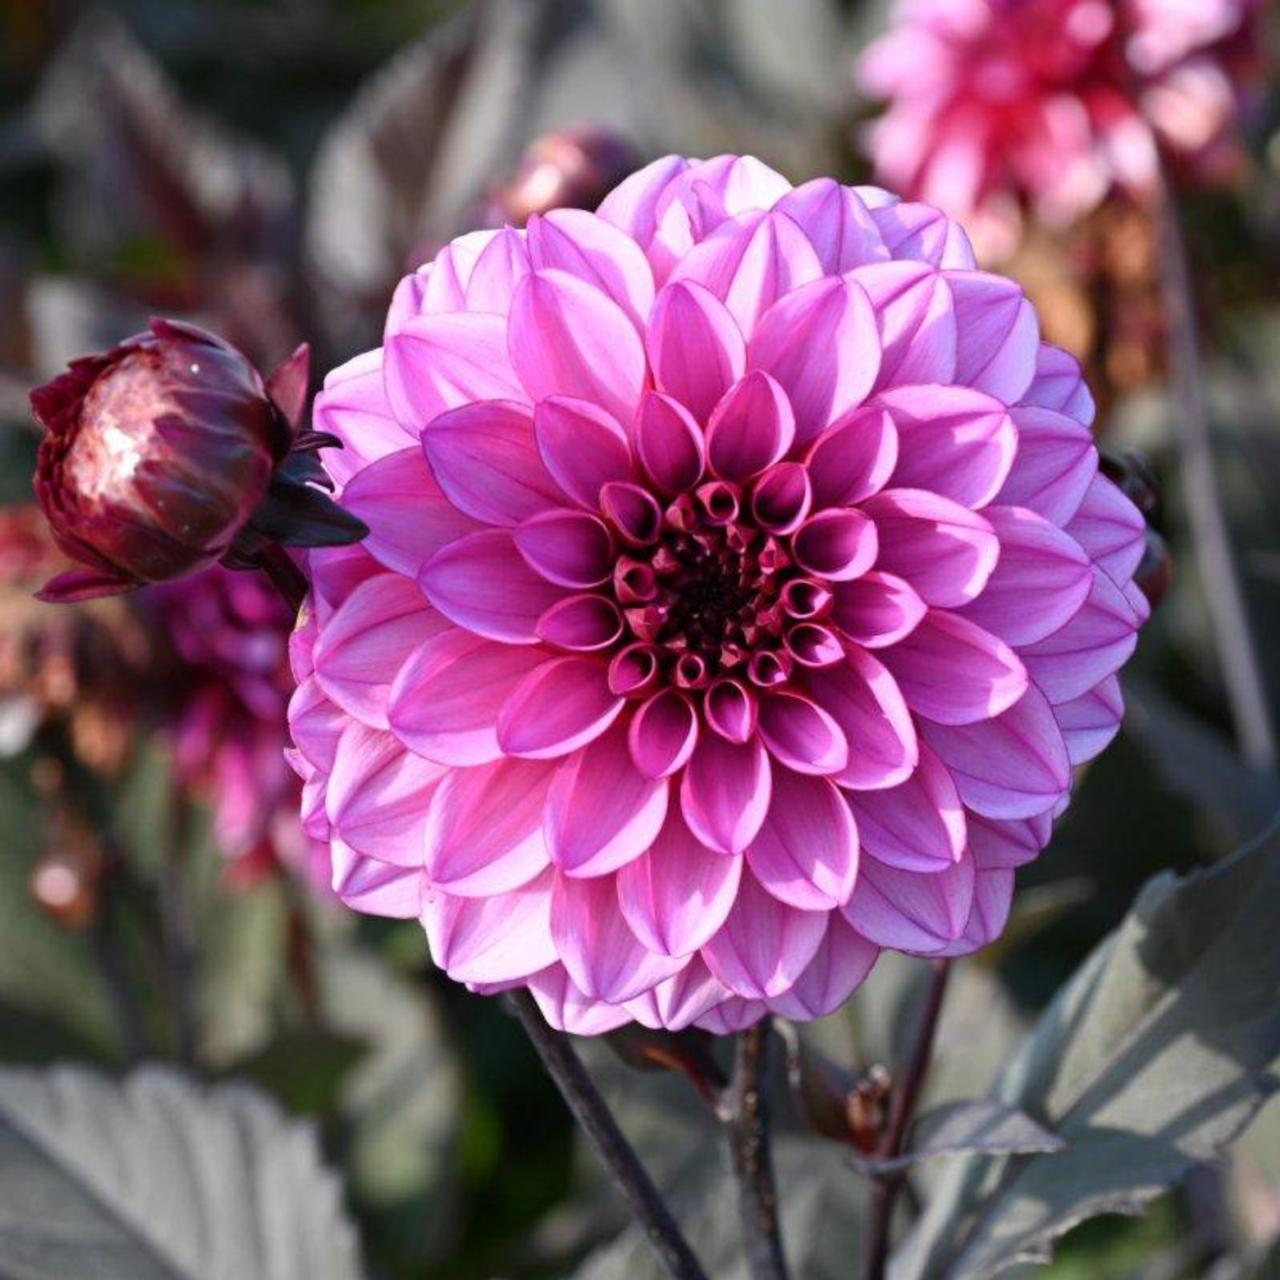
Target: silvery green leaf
[
  {"x": 1151, "y": 1059},
  {"x": 160, "y": 1178}
]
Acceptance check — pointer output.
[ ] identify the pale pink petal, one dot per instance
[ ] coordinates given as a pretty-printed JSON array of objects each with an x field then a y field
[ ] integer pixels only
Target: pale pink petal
[
  {"x": 408, "y": 516},
  {"x": 569, "y": 548},
  {"x": 988, "y": 914},
  {"x": 669, "y": 443},
  {"x": 839, "y": 226},
  {"x": 353, "y": 406},
  {"x": 724, "y": 793},
  {"x": 1055, "y": 465},
  {"x": 445, "y": 700},
  {"x": 601, "y": 811},
  {"x": 1040, "y": 583},
  {"x": 916, "y": 826},
  {"x": 677, "y": 893},
  {"x": 750, "y": 428},
  {"x": 917, "y": 322},
  {"x": 1089, "y": 722},
  {"x": 1110, "y": 528},
  {"x": 486, "y": 461},
  {"x": 839, "y": 967},
  {"x": 764, "y": 945},
  {"x": 801, "y": 734},
  {"x": 595, "y": 944},
  {"x": 679, "y": 1000},
  {"x": 569, "y": 339},
  {"x": 865, "y": 701},
  {"x": 997, "y": 336},
  {"x": 583, "y": 447},
  {"x": 954, "y": 441},
  {"x": 557, "y": 708},
  {"x": 633, "y": 204},
  {"x": 591, "y": 248},
  {"x": 740, "y": 183},
  {"x": 482, "y": 583},
  {"x": 945, "y": 552},
  {"x": 853, "y": 458},
  {"x": 315, "y": 723},
  {"x": 363, "y": 644},
  {"x": 663, "y": 733},
  {"x": 877, "y": 609},
  {"x": 498, "y": 269},
  {"x": 806, "y": 853},
  {"x": 838, "y": 544},
  {"x": 377, "y": 888},
  {"x": 442, "y": 283},
  {"x": 731, "y": 1016},
  {"x": 484, "y": 830},
  {"x": 921, "y": 233},
  {"x": 909, "y": 911},
  {"x": 955, "y": 672},
  {"x": 440, "y": 362},
  {"x": 1059, "y": 385},
  {"x": 696, "y": 350},
  {"x": 820, "y": 342},
  {"x": 566, "y": 1008}
]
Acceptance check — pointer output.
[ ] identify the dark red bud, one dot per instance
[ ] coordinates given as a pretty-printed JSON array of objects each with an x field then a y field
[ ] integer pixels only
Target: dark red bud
[
  {"x": 1154, "y": 574},
  {"x": 1132, "y": 475},
  {"x": 168, "y": 453},
  {"x": 689, "y": 1052},
  {"x": 572, "y": 168}
]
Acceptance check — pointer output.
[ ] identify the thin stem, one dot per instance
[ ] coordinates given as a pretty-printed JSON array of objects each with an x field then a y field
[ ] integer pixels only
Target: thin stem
[
  {"x": 588, "y": 1107},
  {"x": 886, "y": 1186},
  {"x": 178, "y": 928},
  {"x": 1241, "y": 670},
  {"x": 746, "y": 1117},
  {"x": 289, "y": 580}
]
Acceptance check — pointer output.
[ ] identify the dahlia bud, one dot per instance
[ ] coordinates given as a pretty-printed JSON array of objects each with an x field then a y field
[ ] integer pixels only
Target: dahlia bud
[
  {"x": 168, "y": 453},
  {"x": 573, "y": 168}
]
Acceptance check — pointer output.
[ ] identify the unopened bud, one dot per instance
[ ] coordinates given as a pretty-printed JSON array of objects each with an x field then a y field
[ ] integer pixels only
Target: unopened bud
[{"x": 573, "y": 168}]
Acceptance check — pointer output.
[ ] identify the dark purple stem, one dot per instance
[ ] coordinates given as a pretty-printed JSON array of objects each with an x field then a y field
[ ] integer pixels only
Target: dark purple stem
[{"x": 289, "y": 580}]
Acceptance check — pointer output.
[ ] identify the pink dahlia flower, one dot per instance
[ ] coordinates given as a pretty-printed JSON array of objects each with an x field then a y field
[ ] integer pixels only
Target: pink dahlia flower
[
  {"x": 997, "y": 104},
  {"x": 740, "y": 591}
]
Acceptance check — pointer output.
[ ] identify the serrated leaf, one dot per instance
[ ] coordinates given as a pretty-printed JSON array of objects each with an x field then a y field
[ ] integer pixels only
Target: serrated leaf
[
  {"x": 1152, "y": 1058},
  {"x": 159, "y": 1178}
]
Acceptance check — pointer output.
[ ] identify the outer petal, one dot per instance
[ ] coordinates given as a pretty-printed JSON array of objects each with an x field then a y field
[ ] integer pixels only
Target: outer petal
[
  {"x": 353, "y": 406},
  {"x": 1056, "y": 464},
  {"x": 839, "y": 226},
  {"x": 634, "y": 203},
  {"x": 917, "y": 322},
  {"x": 725, "y": 791},
  {"x": 1110, "y": 528},
  {"x": 500, "y": 266},
  {"x": 696, "y": 350},
  {"x": 679, "y": 1000},
  {"x": 677, "y": 893},
  {"x": 921, "y": 232},
  {"x": 997, "y": 336},
  {"x": 839, "y": 966},
  {"x": 912, "y": 912},
  {"x": 591, "y": 248},
  {"x": 1059, "y": 385},
  {"x": 567, "y": 1009},
  {"x": 1089, "y": 722},
  {"x": 1008, "y": 844},
  {"x": 374, "y": 887}
]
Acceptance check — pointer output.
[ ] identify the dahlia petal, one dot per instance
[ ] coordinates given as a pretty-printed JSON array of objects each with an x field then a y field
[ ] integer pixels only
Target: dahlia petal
[
  {"x": 498, "y": 269},
  {"x": 558, "y": 707},
  {"x": 677, "y": 893},
  {"x": 583, "y": 447},
  {"x": 1055, "y": 466},
  {"x": 486, "y": 462},
  {"x": 1014, "y": 765},
  {"x": 821, "y": 343},
  {"x": 1089, "y": 722},
  {"x": 335, "y": 573},
  {"x": 918, "y": 825},
  {"x": 725, "y": 791},
  {"x": 730, "y": 710},
  {"x": 782, "y": 497},
  {"x": 997, "y": 335},
  {"x": 445, "y": 699},
  {"x": 569, "y": 339},
  {"x": 750, "y": 262},
  {"x": 731, "y": 1016},
  {"x": 1059, "y": 385},
  {"x": 837, "y": 544},
  {"x": 596, "y": 946},
  {"x": 585, "y": 622},
  {"x": 663, "y": 733},
  {"x": 877, "y": 609},
  {"x": 1009, "y": 845},
  {"x": 696, "y": 350},
  {"x": 952, "y": 441},
  {"x": 632, "y": 511},
  {"x": 750, "y": 428},
  {"x": 838, "y": 968},
  {"x": 954, "y": 672},
  {"x": 921, "y": 233},
  {"x": 442, "y": 283},
  {"x": 569, "y": 548},
  {"x": 1040, "y": 582},
  {"x": 497, "y": 938},
  {"x": 669, "y": 443},
  {"x": 601, "y": 812},
  {"x": 944, "y": 551},
  {"x": 482, "y": 583},
  {"x": 865, "y": 701},
  {"x": 377, "y": 888},
  {"x": 633, "y": 204},
  {"x": 853, "y": 458},
  {"x": 362, "y": 646},
  {"x": 764, "y": 945},
  {"x": 378, "y": 796},
  {"x": 439, "y": 362},
  {"x": 741, "y": 183},
  {"x": 839, "y": 226},
  {"x": 679, "y": 1000},
  {"x": 801, "y": 734},
  {"x": 408, "y": 516},
  {"x": 1095, "y": 644},
  {"x": 908, "y": 911},
  {"x": 988, "y": 913},
  {"x": 353, "y": 406},
  {"x": 806, "y": 853},
  {"x": 1110, "y": 528},
  {"x": 315, "y": 723},
  {"x": 484, "y": 831},
  {"x": 567, "y": 1009},
  {"x": 916, "y": 320},
  {"x": 596, "y": 252}
]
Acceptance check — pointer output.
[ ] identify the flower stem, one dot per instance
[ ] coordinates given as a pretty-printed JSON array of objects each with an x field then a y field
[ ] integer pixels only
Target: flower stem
[
  {"x": 746, "y": 1116},
  {"x": 1241, "y": 670},
  {"x": 886, "y": 1186},
  {"x": 616, "y": 1154}
]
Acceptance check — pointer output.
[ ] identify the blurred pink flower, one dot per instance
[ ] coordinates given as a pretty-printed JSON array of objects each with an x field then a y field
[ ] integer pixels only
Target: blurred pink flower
[
  {"x": 996, "y": 105},
  {"x": 740, "y": 591},
  {"x": 227, "y": 722}
]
